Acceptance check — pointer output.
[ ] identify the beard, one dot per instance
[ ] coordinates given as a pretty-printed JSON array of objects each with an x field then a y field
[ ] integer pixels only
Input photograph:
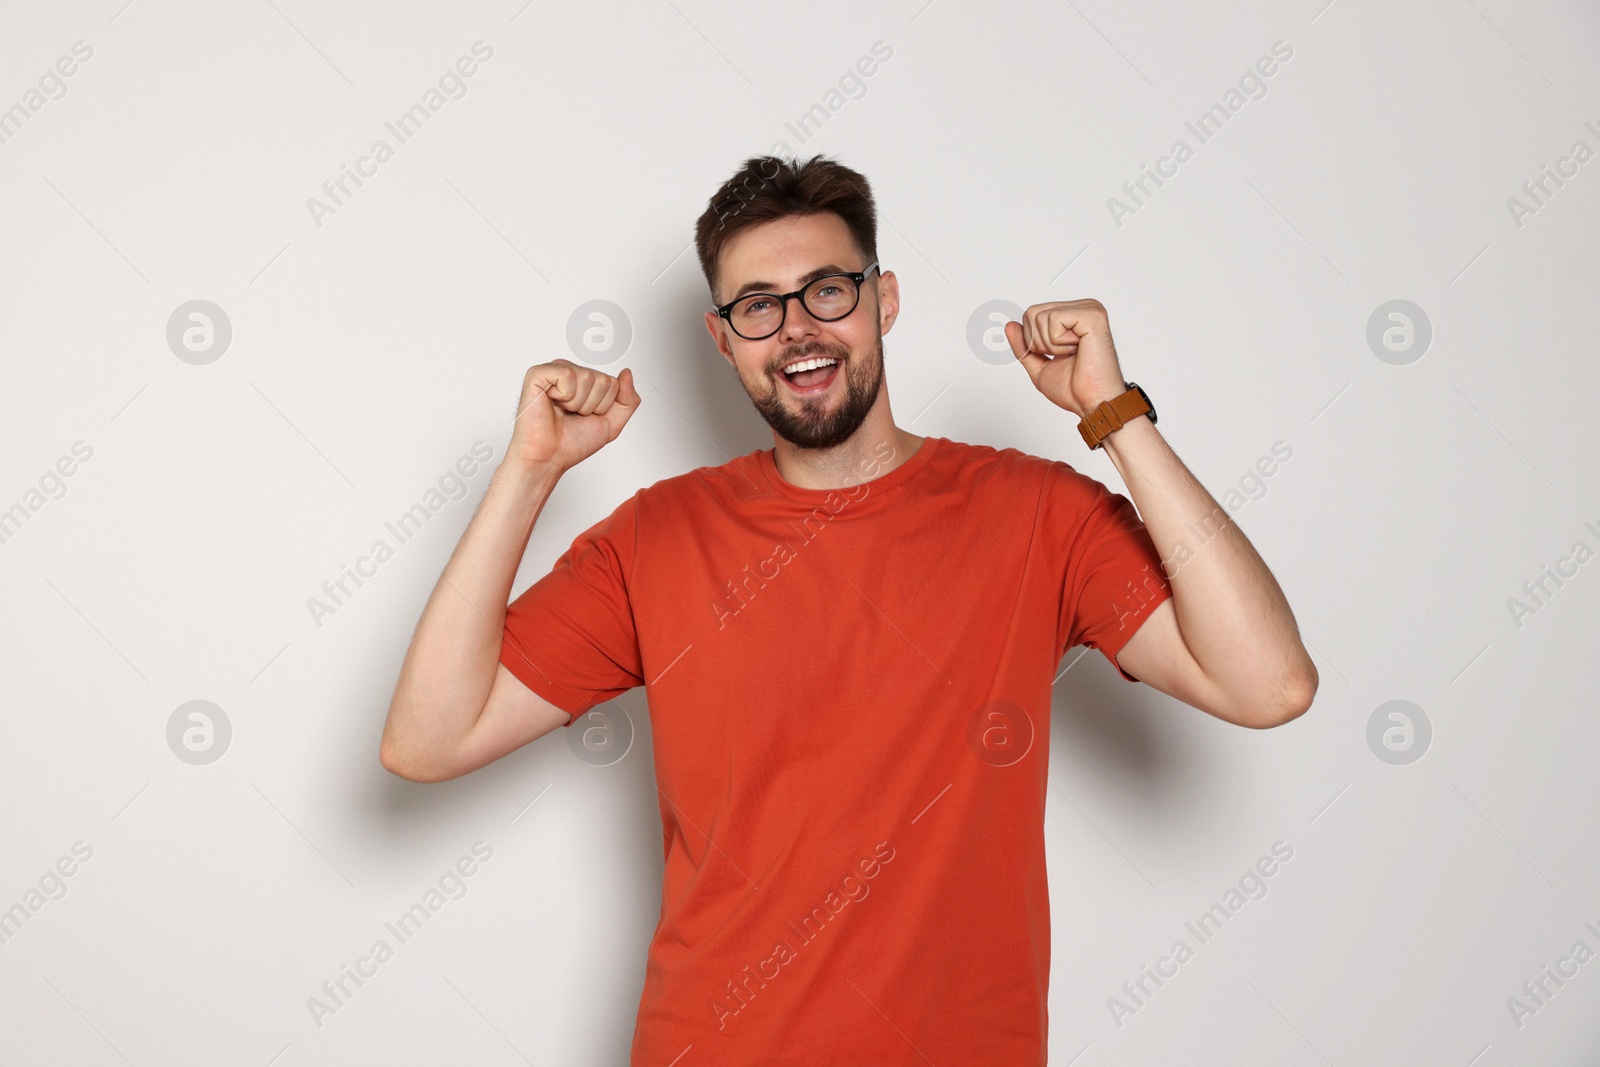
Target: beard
[{"x": 806, "y": 422}]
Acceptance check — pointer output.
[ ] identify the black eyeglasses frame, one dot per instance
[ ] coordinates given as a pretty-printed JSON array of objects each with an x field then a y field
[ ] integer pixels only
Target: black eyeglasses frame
[{"x": 725, "y": 312}]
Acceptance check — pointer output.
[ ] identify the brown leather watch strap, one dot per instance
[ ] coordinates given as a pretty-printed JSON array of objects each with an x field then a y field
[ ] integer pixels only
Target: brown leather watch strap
[{"x": 1111, "y": 415}]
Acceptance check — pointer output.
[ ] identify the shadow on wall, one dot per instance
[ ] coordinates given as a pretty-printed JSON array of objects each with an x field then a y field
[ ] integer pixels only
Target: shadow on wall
[
  {"x": 687, "y": 362},
  {"x": 581, "y": 809},
  {"x": 1103, "y": 719}
]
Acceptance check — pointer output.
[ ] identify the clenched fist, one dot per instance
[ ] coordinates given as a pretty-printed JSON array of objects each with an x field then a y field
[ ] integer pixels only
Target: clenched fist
[
  {"x": 568, "y": 413},
  {"x": 1066, "y": 348}
]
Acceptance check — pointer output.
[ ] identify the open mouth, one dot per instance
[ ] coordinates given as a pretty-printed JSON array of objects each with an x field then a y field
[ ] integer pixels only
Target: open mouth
[{"x": 812, "y": 374}]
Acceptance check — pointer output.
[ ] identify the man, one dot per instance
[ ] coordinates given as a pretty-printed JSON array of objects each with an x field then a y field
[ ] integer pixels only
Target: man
[{"x": 848, "y": 643}]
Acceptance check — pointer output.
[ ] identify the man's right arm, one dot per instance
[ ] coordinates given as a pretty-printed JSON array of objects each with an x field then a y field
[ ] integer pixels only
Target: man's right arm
[{"x": 456, "y": 707}]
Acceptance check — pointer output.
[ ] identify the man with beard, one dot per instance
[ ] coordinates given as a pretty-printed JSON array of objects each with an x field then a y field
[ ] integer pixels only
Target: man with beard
[{"x": 847, "y": 643}]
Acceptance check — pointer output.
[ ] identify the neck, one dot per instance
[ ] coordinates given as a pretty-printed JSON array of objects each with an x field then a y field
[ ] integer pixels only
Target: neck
[{"x": 843, "y": 464}]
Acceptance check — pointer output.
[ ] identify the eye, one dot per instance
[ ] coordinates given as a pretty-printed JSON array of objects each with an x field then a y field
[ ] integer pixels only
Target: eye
[
  {"x": 758, "y": 305},
  {"x": 830, "y": 289}
]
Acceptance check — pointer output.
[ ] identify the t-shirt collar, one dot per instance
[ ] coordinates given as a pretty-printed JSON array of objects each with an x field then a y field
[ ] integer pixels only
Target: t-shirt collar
[{"x": 880, "y": 484}]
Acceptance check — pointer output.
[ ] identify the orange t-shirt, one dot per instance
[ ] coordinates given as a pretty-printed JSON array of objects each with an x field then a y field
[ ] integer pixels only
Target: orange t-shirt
[{"x": 849, "y": 694}]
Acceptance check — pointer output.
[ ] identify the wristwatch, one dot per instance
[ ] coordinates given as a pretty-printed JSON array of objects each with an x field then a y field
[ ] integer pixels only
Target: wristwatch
[{"x": 1113, "y": 414}]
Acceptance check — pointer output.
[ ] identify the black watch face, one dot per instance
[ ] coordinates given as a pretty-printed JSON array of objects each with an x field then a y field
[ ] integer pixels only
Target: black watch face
[{"x": 1143, "y": 396}]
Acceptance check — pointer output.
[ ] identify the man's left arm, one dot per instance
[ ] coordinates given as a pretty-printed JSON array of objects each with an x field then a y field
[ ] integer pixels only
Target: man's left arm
[{"x": 1226, "y": 641}]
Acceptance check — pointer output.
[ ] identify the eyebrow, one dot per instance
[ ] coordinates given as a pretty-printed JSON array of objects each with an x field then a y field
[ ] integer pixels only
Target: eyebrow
[{"x": 805, "y": 279}]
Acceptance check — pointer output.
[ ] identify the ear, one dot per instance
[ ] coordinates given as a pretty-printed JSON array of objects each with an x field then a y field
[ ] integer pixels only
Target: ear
[
  {"x": 720, "y": 337},
  {"x": 888, "y": 301}
]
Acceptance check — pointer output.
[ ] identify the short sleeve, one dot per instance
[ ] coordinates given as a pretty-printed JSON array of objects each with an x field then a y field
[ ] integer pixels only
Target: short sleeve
[
  {"x": 570, "y": 636},
  {"x": 1113, "y": 576}
]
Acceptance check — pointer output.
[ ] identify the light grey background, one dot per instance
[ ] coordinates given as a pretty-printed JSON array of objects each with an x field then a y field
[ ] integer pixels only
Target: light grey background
[{"x": 371, "y": 351}]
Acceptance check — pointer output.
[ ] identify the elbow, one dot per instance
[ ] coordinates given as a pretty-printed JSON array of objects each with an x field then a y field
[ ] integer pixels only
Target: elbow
[
  {"x": 402, "y": 764},
  {"x": 401, "y": 751},
  {"x": 1292, "y": 699}
]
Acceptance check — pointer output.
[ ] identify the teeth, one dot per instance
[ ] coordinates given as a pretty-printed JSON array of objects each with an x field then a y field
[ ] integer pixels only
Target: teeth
[{"x": 810, "y": 364}]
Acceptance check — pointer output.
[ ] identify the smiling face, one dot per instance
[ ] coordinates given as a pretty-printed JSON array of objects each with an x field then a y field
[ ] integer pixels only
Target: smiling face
[{"x": 822, "y": 407}]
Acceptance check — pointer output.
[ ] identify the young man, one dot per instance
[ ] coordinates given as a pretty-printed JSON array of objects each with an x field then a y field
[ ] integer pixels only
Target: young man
[{"x": 848, "y": 643}]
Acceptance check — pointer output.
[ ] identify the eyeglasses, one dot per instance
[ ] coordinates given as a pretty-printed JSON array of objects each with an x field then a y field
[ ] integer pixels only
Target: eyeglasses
[{"x": 757, "y": 316}]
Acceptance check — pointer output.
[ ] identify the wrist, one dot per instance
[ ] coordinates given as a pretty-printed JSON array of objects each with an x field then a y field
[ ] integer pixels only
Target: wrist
[
  {"x": 1100, "y": 422},
  {"x": 523, "y": 476},
  {"x": 1133, "y": 429},
  {"x": 1101, "y": 394},
  {"x": 1094, "y": 405}
]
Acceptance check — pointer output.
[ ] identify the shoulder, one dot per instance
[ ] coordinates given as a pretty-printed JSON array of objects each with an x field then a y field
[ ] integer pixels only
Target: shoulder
[
  {"x": 727, "y": 483},
  {"x": 1056, "y": 493},
  {"x": 1010, "y": 468}
]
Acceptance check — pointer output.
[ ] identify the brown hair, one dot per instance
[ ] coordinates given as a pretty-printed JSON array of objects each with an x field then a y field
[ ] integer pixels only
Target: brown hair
[{"x": 771, "y": 187}]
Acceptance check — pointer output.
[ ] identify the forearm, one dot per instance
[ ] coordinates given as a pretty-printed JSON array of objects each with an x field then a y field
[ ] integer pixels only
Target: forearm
[
  {"x": 1230, "y": 610},
  {"x": 451, "y": 663}
]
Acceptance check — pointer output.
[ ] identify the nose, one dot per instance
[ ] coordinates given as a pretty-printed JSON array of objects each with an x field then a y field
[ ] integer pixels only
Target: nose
[{"x": 798, "y": 325}]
